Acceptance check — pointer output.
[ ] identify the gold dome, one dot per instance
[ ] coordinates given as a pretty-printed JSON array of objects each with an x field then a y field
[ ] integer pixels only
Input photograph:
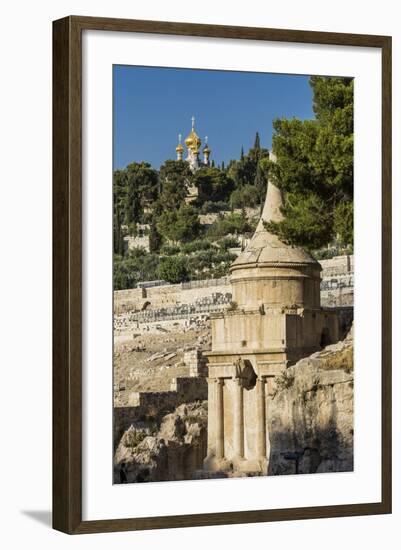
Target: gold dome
[
  {"x": 179, "y": 148},
  {"x": 193, "y": 141}
]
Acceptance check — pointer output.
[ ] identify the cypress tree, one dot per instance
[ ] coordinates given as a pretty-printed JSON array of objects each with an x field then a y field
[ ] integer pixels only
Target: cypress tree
[
  {"x": 257, "y": 141},
  {"x": 155, "y": 239},
  {"x": 260, "y": 183},
  {"x": 118, "y": 235}
]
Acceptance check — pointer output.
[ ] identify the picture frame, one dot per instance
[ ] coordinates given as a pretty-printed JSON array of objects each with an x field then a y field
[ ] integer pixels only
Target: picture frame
[{"x": 67, "y": 274}]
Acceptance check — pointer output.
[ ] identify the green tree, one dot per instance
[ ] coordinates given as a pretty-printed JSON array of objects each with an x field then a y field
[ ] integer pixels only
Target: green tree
[
  {"x": 142, "y": 188},
  {"x": 211, "y": 263},
  {"x": 173, "y": 269},
  {"x": 120, "y": 185},
  {"x": 256, "y": 145},
  {"x": 118, "y": 234},
  {"x": 195, "y": 246},
  {"x": 247, "y": 195},
  {"x": 155, "y": 239},
  {"x": 119, "y": 199},
  {"x": 244, "y": 171},
  {"x": 180, "y": 225},
  {"x": 307, "y": 221},
  {"x": 134, "y": 188},
  {"x": 261, "y": 178},
  {"x": 314, "y": 167},
  {"x": 344, "y": 222},
  {"x": 174, "y": 178},
  {"x": 213, "y": 185},
  {"x": 137, "y": 265},
  {"x": 233, "y": 223}
]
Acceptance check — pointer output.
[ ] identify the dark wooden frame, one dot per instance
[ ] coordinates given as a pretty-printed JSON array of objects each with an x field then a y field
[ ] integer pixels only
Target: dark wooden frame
[{"x": 67, "y": 262}]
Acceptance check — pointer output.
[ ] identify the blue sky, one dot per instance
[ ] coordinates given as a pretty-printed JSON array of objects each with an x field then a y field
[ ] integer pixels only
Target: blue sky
[{"x": 153, "y": 105}]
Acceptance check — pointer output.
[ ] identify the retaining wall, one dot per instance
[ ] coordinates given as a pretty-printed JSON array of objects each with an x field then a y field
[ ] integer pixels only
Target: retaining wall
[{"x": 169, "y": 302}]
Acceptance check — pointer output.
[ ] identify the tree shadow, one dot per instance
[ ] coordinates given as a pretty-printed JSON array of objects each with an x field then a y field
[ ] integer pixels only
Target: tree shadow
[{"x": 40, "y": 516}]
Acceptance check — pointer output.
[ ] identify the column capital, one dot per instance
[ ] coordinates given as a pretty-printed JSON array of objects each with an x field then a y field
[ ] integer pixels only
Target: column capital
[{"x": 215, "y": 380}]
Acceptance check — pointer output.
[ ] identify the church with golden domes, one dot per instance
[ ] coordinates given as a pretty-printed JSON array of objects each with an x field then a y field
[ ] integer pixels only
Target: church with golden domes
[{"x": 193, "y": 144}]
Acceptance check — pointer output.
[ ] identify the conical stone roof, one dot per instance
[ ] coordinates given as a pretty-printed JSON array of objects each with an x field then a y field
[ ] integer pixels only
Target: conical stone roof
[{"x": 267, "y": 249}]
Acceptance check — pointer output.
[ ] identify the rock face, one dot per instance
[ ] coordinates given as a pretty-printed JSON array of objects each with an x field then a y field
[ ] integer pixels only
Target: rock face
[
  {"x": 309, "y": 417},
  {"x": 310, "y": 414},
  {"x": 169, "y": 452}
]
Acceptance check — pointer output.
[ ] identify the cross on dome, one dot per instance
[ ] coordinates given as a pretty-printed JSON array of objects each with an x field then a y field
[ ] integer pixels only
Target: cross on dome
[{"x": 193, "y": 143}]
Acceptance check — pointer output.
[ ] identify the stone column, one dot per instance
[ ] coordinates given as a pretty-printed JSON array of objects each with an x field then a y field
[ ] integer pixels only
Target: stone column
[
  {"x": 261, "y": 417},
  {"x": 238, "y": 428},
  {"x": 219, "y": 418}
]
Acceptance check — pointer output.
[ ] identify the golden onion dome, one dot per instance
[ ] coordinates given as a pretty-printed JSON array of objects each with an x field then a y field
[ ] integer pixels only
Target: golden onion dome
[
  {"x": 206, "y": 149},
  {"x": 179, "y": 148},
  {"x": 193, "y": 141}
]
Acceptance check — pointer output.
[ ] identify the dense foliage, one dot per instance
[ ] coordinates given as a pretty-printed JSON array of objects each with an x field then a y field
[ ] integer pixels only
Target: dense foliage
[
  {"x": 315, "y": 168},
  {"x": 137, "y": 265},
  {"x": 180, "y": 247},
  {"x": 179, "y": 225},
  {"x": 173, "y": 264}
]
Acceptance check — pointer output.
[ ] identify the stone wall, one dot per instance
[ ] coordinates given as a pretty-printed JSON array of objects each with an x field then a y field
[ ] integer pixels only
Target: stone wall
[
  {"x": 211, "y": 295},
  {"x": 169, "y": 295},
  {"x": 154, "y": 405},
  {"x": 337, "y": 286},
  {"x": 339, "y": 265},
  {"x": 201, "y": 307},
  {"x": 196, "y": 362},
  {"x": 131, "y": 243}
]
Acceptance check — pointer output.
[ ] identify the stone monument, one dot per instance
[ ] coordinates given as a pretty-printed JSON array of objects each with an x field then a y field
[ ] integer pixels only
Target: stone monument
[{"x": 275, "y": 319}]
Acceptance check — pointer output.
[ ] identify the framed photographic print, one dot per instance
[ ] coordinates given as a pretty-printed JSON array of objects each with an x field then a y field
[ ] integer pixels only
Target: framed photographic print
[{"x": 222, "y": 275}]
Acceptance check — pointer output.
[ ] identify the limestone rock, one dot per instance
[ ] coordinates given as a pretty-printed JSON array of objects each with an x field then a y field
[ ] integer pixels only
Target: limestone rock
[
  {"x": 173, "y": 450},
  {"x": 310, "y": 420}
]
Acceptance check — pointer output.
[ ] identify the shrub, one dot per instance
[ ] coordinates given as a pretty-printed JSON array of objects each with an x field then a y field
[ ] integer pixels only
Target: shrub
[
  {"x": 169, "y": 250},
  {"x": 179, "y": 225},
  {"x": 173, "y": 269},
  {"x": 210, "y": 207},
  {"x": 247, "y": 195},
  {"x": 231, "y": 223},
  {"x": 229, "y": 242},
  {"x": 137, "y": 265},
  {"x": 195, "y": 246}
]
